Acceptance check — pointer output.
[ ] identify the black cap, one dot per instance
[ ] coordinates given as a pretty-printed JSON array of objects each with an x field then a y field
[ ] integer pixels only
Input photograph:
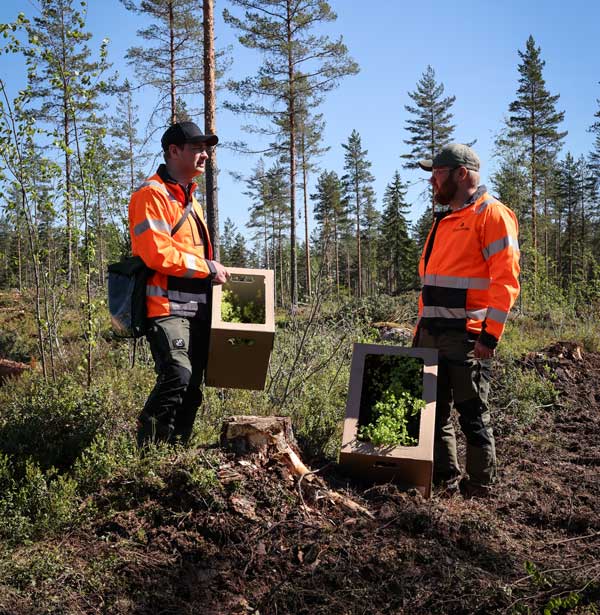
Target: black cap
[{"x": 186, "y": 132}]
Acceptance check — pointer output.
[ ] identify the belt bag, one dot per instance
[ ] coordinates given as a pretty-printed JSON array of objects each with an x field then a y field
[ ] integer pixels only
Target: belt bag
[{"x": 127, "y": 291}]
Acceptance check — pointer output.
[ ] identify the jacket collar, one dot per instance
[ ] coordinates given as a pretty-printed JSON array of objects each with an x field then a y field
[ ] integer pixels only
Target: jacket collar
[
  {"x": 476, "y": 195},
  {"x": 187, "y": 191},
  {"x": 481, "y": 190}
]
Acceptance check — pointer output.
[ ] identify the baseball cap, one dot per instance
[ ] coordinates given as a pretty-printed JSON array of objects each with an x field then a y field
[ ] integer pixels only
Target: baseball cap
[
  {"x": 186, "y": 132},
  {"x": 453, "y": 155}
]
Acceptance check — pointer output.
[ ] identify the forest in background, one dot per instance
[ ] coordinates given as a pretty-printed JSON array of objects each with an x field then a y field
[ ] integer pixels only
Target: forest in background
[{"x": 72, "y": 152}]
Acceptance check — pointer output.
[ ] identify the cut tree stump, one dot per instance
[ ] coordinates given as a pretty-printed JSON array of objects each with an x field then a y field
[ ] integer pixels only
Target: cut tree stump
[{"x": 271, "y": 438}]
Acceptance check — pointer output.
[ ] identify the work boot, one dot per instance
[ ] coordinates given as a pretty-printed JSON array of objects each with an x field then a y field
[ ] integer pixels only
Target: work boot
[
  {"x": 446, "y": 487},
  {"x": 471, "y": 490},
  {"x": 150, "y": 429}
]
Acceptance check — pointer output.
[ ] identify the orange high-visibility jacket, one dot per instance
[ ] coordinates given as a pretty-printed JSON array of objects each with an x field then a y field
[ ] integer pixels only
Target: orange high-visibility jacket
[
  {"x": 182, "y": 267},
  {"x": 469, "y": 269}
]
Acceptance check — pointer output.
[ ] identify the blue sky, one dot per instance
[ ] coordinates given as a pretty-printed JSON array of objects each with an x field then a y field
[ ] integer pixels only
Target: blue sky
[{"x": 472, "y": 45}]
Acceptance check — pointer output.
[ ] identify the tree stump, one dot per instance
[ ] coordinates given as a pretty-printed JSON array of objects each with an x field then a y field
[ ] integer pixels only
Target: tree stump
[{"x": 272, "y": 438}]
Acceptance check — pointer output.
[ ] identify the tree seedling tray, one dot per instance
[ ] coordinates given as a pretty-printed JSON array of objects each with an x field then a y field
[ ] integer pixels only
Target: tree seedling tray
[
  {"x": 239, "y": 352},
  {"x": 409, "y": 465}
]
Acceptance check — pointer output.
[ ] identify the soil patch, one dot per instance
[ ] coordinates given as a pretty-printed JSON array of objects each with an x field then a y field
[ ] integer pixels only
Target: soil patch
[{"x": 254, "y": 545}]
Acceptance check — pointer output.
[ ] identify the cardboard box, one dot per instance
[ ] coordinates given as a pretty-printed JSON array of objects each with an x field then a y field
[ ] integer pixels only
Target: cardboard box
[
  {"x": 239, "y": 353},
  {"x": 411, "y": 466}
]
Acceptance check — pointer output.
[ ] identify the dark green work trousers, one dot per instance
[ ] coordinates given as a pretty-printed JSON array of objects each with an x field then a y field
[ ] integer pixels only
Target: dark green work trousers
[
  {"x": 464, "y": 382},
  {"x": 180, "y": 350}
]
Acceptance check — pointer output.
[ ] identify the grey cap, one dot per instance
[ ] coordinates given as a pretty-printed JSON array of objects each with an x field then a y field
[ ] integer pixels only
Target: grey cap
[{"x": 453, "y": 155}]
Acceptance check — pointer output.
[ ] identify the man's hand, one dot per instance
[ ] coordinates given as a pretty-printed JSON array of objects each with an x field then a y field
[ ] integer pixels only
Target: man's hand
[
  {"x": 483, "y": 352},
  {"x": 222, "y": 274}
]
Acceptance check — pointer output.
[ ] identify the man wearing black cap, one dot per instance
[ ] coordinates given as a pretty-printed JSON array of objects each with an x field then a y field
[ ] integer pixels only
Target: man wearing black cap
[
  {"x": 169, "y": 233},
  {"x": 469, "y": 272}
]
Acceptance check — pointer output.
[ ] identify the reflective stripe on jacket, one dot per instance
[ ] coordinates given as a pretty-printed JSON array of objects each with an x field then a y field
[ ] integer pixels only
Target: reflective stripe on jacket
[
  {"x": 180, "y": 283},
  {"x": 470, "y": 280}
]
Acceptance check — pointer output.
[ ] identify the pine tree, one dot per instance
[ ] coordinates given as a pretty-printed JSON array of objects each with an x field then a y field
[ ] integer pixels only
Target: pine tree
[
  {"x": 234, "y": 252},
  {"x": 257, "y": 190},
  {"x": 269, "y": 216},
  {"x": 430, "y": 126},
  {"x": 357, "y": 184},
  {"x": 127, "y": 146},
  {"x": 310, "y": 139},
  {"x": 370, "y": 227},
  {"x": 330, "y": 214},
  {"x": 309, "y": 134},
  {"x": 586, "y": 212},
  {"x": 421, "y": 230},
  {"x": 593, "y": 175},
  {"x": 534, "y": 121},
  {"x": 595, "y": 153},
  {"x": 126, "y": 162},
  {"x": 570, "y": 192},
  {"x": 171, "y": 62},
  {"x": 397, "y": 251},
  {"x": 296, "y": 64}
]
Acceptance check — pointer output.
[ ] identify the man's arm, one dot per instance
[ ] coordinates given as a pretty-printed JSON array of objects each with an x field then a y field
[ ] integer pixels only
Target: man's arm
[{"x": 501, "y": 252}]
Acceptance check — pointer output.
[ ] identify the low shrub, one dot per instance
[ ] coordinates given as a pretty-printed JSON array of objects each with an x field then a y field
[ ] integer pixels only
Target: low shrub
[
  {"x": 102, "y": 459},
  {"x": 383, "y": 308},
  {"x": 50, "y": 422},
  {"x": 36, "y": 503},
  {"x": 14, "y": 347},
  {"x": 518, "y": 395}
]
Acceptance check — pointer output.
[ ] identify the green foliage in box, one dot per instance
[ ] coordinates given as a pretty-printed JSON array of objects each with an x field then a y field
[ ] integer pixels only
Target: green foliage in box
[
  {"x": 392, "y": 400},
  {"x": 234, "y": 310}
]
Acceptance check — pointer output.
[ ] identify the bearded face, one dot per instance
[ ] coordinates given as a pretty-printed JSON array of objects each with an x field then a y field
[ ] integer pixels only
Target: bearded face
[{"x": 444, "y": 191}]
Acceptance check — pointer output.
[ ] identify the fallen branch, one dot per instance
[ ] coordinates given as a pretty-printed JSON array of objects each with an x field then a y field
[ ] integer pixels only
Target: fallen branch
[
  {"x": 11, "y": 368},
  {"x": 575, "y": 538}
]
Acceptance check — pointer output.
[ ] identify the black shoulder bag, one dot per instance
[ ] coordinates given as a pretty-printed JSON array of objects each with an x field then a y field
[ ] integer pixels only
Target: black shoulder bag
[{"x": 127, "y": 291}]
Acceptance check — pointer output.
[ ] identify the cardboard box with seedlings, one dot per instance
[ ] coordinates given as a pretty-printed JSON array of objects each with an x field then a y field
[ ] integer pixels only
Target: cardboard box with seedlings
[
  {"x": 390, "y": 415},
  {"x": 242, "y": 330}
]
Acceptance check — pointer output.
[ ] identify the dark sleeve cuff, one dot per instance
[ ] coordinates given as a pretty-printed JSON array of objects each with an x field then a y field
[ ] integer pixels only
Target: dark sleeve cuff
[
  {"x": 487, "y": 340},
  {"x": 212, "y": 268}
]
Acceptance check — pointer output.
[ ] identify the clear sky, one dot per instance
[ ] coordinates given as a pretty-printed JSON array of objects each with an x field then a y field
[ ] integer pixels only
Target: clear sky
[{"x": 472, "y": 45}]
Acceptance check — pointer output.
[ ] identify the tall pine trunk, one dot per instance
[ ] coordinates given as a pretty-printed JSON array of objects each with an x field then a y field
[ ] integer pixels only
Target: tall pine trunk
[
  {"x": 212, "y": 205},
  {"x": 292, "y": 153},
  {"x": 172, "y": 89},
  {"x": 68, "y": 202},
  {"x": 358, "y": 246},
  {"x": 546, "y": 252},
  {"x": 306, "y": 238},
  {"x": 337, "y": 257},
  {"x": 534, "y": 214}
]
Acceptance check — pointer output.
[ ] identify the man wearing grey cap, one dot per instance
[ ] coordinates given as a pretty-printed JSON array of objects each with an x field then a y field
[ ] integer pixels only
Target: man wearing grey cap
[
  {"x": 469, "y": 272},
  {"x": 169, "y": 233}
]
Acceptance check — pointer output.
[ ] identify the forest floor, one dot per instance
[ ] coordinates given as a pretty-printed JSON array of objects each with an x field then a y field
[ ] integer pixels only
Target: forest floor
[{"x": 248, "y": 543}]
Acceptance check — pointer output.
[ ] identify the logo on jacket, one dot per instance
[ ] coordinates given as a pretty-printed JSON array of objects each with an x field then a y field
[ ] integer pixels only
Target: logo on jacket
[
  {"x": 178, "y": 343},
  {"x": 462, "y": 227}
]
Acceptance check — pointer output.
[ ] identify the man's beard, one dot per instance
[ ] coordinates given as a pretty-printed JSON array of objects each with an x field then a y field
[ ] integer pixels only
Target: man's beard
[{"x": 446, "y": 191}]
